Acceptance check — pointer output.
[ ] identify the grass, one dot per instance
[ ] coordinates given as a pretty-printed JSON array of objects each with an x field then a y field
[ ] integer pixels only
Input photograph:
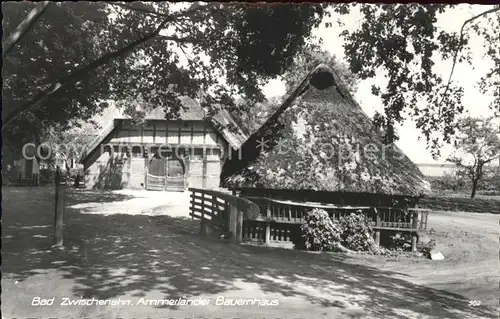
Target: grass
[
  {"x": 452, "y": 201},
  {"x": 141, "y": 245}
]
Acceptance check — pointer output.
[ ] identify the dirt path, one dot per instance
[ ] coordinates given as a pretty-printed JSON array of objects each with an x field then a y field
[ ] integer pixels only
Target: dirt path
[
  {"x": 469, "y": 242},
  {"x": 113, "y": 255}
]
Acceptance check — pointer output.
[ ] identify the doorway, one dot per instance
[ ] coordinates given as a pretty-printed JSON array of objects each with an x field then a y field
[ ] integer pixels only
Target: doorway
[{"x": 166, "y": 173}]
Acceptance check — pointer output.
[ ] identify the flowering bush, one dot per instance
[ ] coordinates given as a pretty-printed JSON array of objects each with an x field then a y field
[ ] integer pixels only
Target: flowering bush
[
  {"x": 356, "y": 233},
  {"x": 319, "y": 232}
]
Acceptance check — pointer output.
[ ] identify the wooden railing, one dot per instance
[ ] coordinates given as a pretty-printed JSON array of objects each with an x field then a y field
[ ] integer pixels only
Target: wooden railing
[
  {"x": 267, "y": 220},
  {"x": 400, "y": 219},
  {"x": 294, "y": 212},
  {"x": 221, "y": 210},
  {"x": 275, "y": 214}
]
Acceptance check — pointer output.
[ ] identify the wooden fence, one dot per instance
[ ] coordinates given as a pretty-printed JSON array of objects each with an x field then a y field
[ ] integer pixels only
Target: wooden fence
[
  {"x": 271, "y": 224},
  {"x": 222, "y": 211},
  {"x": 268, "y": 220}
]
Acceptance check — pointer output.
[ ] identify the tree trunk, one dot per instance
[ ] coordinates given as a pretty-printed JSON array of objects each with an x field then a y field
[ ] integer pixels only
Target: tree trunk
[{"x": 474, "y": 188}]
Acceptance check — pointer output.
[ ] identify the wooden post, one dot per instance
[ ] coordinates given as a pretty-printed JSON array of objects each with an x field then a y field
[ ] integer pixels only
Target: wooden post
[
  {"x": 239, "y": 222},
  {"x": 233, "y": 220},
  {"x": 377, "y": 224},
  {"x": 267, "y": 239},
  {"x": 202, "y": 220},
  {"x": 414, "y": 233},
  {"x": 59, "y": 211},
  {"x": 146, "y": 172},
  {"x": 192, "y": 205}
]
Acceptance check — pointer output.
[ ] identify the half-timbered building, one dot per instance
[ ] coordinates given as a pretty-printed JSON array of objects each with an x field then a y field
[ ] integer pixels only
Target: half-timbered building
[{"x": 162, "y": 154}]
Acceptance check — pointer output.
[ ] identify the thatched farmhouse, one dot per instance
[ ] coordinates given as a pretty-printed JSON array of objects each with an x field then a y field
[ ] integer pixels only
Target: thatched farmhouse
[
  {"x": 320, "y": 146},
  {"x": 161, "y": 154}
]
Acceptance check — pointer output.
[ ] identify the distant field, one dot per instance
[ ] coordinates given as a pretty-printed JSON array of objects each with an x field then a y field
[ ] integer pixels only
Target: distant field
[{"x": 462, "y": 202}]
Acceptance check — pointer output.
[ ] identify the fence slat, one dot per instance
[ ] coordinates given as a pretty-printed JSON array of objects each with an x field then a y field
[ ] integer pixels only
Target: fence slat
[{"x": 377, "y": 223}]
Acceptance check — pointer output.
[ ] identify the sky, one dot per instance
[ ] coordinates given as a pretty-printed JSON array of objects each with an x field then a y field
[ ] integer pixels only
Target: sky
[{"x": 466, "y": 75}]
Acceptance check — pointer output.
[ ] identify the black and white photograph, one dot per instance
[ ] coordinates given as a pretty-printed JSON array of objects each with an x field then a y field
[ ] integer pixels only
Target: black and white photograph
[{"x": 250, "y": 160}]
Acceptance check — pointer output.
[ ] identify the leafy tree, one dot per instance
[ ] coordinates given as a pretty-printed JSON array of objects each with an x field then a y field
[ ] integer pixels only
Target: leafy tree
[
  {"x": 308, "y": 58},
  {"x": 59, "y": 41},
  {"x": 449, "y": 181},
  {"x": 60, "y": 67},
  {"x": 79, "y": 54},
  {"x": 252, "y": 115},
  {"x": 67, "y": 145},
  {"x": 75, "y": 56},
  {"x": 493, "y": 178},
  {"x": 402, "y": 41},
  {"x": 477, "y": 144}
]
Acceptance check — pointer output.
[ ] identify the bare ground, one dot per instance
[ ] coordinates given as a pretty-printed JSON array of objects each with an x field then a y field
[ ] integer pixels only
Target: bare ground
[{"x": 130, "y": 245}]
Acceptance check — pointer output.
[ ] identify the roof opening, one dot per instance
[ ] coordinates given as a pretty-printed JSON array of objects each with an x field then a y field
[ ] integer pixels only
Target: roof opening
[{"x": 322, "y": 79}]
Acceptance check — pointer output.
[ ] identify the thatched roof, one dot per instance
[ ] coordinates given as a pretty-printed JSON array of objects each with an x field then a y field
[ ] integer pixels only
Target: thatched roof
[
  {"x": 191, "y": 110},
  {"x": 320, "y": 139}
]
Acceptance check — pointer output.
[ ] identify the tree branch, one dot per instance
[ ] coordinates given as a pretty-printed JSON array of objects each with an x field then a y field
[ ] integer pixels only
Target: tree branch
[
  {"x": 143, "y": 10},
  {"x": 486, "y": 161},
  {"x": 176, "y": 39},
  {"x": 23, "y": 27},
  {"x": 169, "y": 17},
  {"x": 194, "y": 7},
  {"x": 79, "y": 74},
  {"x": 460, "y": 45}
]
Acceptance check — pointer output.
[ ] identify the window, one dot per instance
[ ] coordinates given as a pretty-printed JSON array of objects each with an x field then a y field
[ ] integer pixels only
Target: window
[
  {"x": 165, "y": 152},
  {"x": 213, "y": 151},
  {"x": 197, "y": 154},
  {"x": 124, "y": 150},
  {"x": 136, "y": 151},
  {"x": 154, "y": 150}
]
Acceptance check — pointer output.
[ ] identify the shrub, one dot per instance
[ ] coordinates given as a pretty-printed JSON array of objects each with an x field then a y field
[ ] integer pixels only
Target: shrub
[
  {"x": 72, "y": 173},
  {"x": 394, "y": 240},
  {"x": 356, "y": 233},
  {"x": 449, "y": 181},
  {"x": 319, "y": 232},
  {"x": 426, "y": 248}
]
